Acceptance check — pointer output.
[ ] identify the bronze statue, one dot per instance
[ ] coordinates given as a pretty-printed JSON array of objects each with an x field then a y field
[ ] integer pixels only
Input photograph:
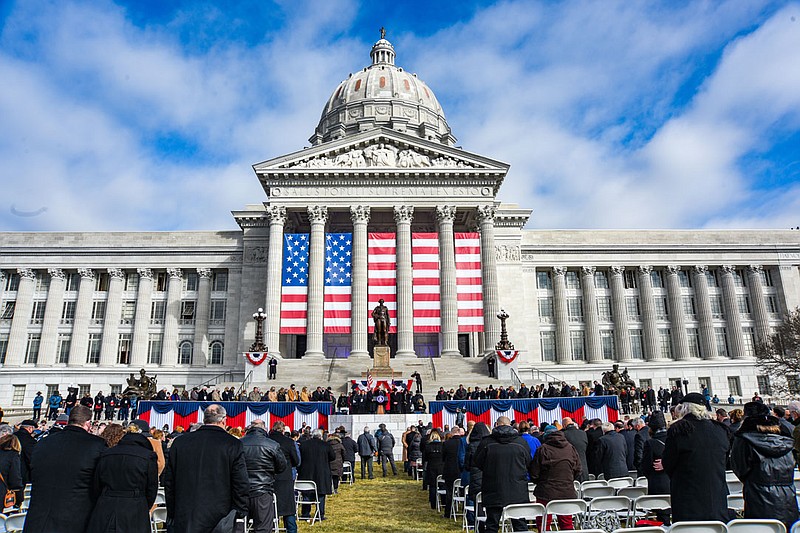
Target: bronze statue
[
  {"x": 144, "y": 387},
  {"x": 616, "y": 380},
  {"x": 380, "y": 316}
]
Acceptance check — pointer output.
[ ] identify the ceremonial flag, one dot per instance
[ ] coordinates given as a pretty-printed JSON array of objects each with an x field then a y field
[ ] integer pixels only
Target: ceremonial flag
[
  {"x": 425, "y": 282},
  {"x": 370, "y": 381},
  {"x": 338, "y": 282},
  {"x": 469, "y": 284},
  {"x": 382, "y": 276},
  {"x": 294, "y": 283}
]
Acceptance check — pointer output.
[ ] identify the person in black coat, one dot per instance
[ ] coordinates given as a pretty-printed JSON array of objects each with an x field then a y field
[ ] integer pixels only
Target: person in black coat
[
  {"x": 10, "y": 462},
  {"x": 652, "y": 454},
  {"x": 350, "y": 450},
  {"x": 593, "y": 435},
  {"x": 451, "y": 470},
  {"x": 315, "y": 465},
  {"x": 613, "y": 452},
  {"x": 628, "y": 433},
  {"x": 432, "y": 457},
  {"x": 126, "y": 478},
  {"x": 284, "y": 484},
  {"x": 27, "y": 444},
  {"x": 205, "y": 479},
  {"x": 580, "y": 442},
  {"x": 264, "y": 459},
  {"x": 642, "y": 436},
  {"x": 62, "y": 477}
]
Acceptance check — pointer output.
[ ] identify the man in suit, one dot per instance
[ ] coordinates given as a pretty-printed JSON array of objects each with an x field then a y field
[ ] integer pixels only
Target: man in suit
[
  {"x": 579, "y": 441},
  {"x": 315, "y": 458}
]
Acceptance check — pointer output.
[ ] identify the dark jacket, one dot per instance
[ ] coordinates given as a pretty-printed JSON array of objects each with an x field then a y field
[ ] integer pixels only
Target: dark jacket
[
  {"x": 555, "y": 466},
  {"x": 764, "y": 464},
  {"x": 284, "y": 484},
  {"x": 695, "y": 454},
  {"x": 657, "y": 481},
  {"x": 386, "y": 443},
  {"x": 264, "y": 458},
  {"x": 642, "y": 436},
  {"x": 27, "y": 442},
  {"x": 63, "y": 495},
  {"x": 414, "y": 452},
  {"x": 367, "y": 444},
  {"x": 504, "y": 457},
  {"x": 315, "y": 464},
  {"x": 613, "y": 455},
  {"x": 630, "y": 449},
  {"x": 205, "y": 479},
  {"x": 432, "y": 457},
  {"x": 593, "y": 450},
  {"x": 451, "y": 470},
  {"x": 10, "y": 468},
  {"x": 126, "y": 478},
  {"x": 350, "y": 450},
  {"x": 580, "y": 442},
  {"x": 478, "y": 433},
  {"x": 338, "y": 455}
]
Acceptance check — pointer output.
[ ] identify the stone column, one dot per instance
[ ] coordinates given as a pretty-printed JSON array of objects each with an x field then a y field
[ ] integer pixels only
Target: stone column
[
  {"x": 359, "y": 214},
  {"x": 491, "y": 297},
  {"x": 108, "y": 346},
  {"x": 318, "y": 216},
  {"x": 52, "y": 317},
  {"x": 83, "y": 314},
  {"x": 563, "y": 345},
  {"x": 18, "y": 336},
  {"x": 680, "y": 339},
  {"x": 622, "y": 338},
  {"x": 758, "y": 302},
  {"x": 449, "y": 295},
  {"x": 594, "y": 352},
  {"x": 646, "y": 300},
  {"x": 272, "y": 325},
  {"x": 403, "y": 214},
  {"x": 201, "y": 311},
  {"x": 705, "y": 318},
  {"x": 141, "y": 318},
  {"x": 731, "y": 305},
  {"x": 169, "y": 347}
]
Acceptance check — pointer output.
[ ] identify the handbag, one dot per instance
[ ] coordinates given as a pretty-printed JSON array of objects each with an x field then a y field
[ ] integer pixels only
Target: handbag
[{"x": 10, "y": 499}]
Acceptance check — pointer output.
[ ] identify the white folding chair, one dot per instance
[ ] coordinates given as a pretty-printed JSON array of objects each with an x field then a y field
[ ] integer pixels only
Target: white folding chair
[
  {"x": 441, "y": 492},
  {"x": 15, "y": 522},
  {"x": 641, "y": 481},
  {"x": 648, "y": 529},
  {"x": 419, "y": 470},
  {"x": 480, "y": 511},
  {"x": 554, "y": 508},
  {"x": 159, "y": 516},
  {"x": 520, "y": 511},
  {"x": 796, "y": 527},
  {"x": 594, "y": 483},
  {"x": 644, "y": 505},
  {"x": 620, "y": 482},
  {"x": 632, "y": 492},
  {"x": 699, "y": 526},
  {"x": 468, "y": 507},
  {"x": 589, "y": 493},
  {"x": 25, "y": 504},
  {"x": 735, "y": 487},
  {"x": 621, "y": 505},
  {"x": 347, "y": 472},
  {"x": 730, "y": 476},
  {"x": 744, "y": 525},
  {"x": 532, "y": 487},
  {"x": 276, "y": 526},
  {"x": 736, "y": 503},
  {"x": 306, "y": 494},
  {"x": 458, "y": 501},
  {"x": 161, "y": 499}
]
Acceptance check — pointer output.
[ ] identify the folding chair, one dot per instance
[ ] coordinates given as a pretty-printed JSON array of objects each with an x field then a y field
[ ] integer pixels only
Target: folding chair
[
  {"x": 621, "y": 505},
  {"x": 520, "y": 511},
  {"x": 589, "y": 493},
  {"x": 730, "y": 476},
  {"x": 277, "y": 520},
  {"x": 555, "y": 508},
  {"x": 480, "y": 511},
  {"x": 620, "y": 482},
  {"x": 796, "y": 527},
  {"x": 735, "y": 487},
  {"x": 419, "y": 470},
  {"x": 648, "y": 529},
  {"x": 441, "y": 493},
  {"x": 736, "y": 503},
  {"x": 532, "y": 487},
  {"x": 468, "y": 507},
  {"x": 643, "y": 505},
  {"x": 458, "y": 501},
  {"x": 304, "y": 489},
  {"x": 347, "y": 472},
  {"x": 632, "y": 492},
  {"x": 743, "y": 525},
  {"x": 15, "y": 522},
  {"x": 641, "y": 481},
  {"x": 159, "y": 516},
  {"x": 161, "y": 499},
  {"x": 699, "y": 526},
  {"x": 594, "y": 483}
]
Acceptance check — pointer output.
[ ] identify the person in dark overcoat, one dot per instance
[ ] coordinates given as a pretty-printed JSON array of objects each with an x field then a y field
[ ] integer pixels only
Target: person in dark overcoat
[
  {"x": 451, "y": 469},
  {"x": 579, "y": 441},
  {"x": 613, "y": 452},
  {"x": 555, "y": 466},
  {"x": 761, "y": 457},
  {"x": 652, "y": 454},
  {"x": 593, "y": 434},
  {"x": 284, "y": 484},
  {"x": 10, "y": 464},
  {"x": 337, "y": 464},
  {"x": 62, "y": 477},
  {"x": 350, "y": 450},
  {"x": 315, "y": 465},
  {"x": 695, "y": 455},
  {"x": 126, "y": 478},
  {"x": 27, "y": 444},
  {"x": 205, "y": 479},
  {"x": 432, "y": 457}
]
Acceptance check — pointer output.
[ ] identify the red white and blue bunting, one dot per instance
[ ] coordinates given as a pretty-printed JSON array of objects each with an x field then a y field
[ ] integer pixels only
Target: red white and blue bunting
[
  {"x": 507, "y": 356},
  {"x": 364, "y": 384},
  {"x": 536, "y": 409},
  {"x": 240, "y": 414},
  {"x": 256, "y": 358}
]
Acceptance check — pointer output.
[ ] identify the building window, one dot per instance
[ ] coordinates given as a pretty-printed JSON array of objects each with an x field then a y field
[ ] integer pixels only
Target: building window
[
  {"x": 632, "y": 306},
  {"x": 215, "y": 353},
  {"x": 98, "y": 311},
  {"x": 116, "y": 389},
  {"x": 684, "y": 280},
  {"x": 157, "y": 311},
  {"x": 131, "y": 281},
  {"x": 688, "y": 307},
  {"x": 743, "y": 303},
  {"x": 42, "y": 282},
  {"x": 604, "y": 309},
  {"x": 101, "y": 282},
  {"x": 711, "y": 278},
  {"x": 577, "y": 345},
  {"x": 665, "y": 343},
  {"x": 735, "y": 385},
  {"x": 656, "y": 279},
  {"x": 600, "y": 279},
  {"x": 660, "y": 304},
  {"x": 217, "y": 312},
  {"x": 64, "y": 345},
  {"x": 749, "y": 336},
  {"x": 772, "y": 305},
  {"x": 84, "y": 389},
  {"x": 190, "y": 280},
  {"x": 18, "y": 398},
  {"x": 543, "y": 280},
  {"x": 32, "y": 350},
  {"x": 93, "y": 351},
  {"x": 51, "y": 389},
  {"x": 630, "y": 279},
  {"x": 766, "y": 278},
  {"x": 185, "y": 353},
  {"x": 37, "y": 313},
  {"x": 637, "y": 346},
  {"x": 3, "y": 348},
  {"x": 154, "y": 349},
  {"x": 8, "y": 310},
  {"x": 68, "y": 312},
  {"x": 694, "y": 342},
  {"x": 645, "y": 383},
  {"x": 607, "y": 343},
  {"x": 160, "y": 281},
  {"x": 716, "y": 307},
  {"x": 12, "y": 282},
  {"x": 575, "y": 309},
  {"x": 128, "y": 312},
  {"x": 548, "y": 342},
  {"x": 546, "y": 309},
  {"x": 738, "y": 278},
  {"x": 572, "y": 281},
  {"x": 124, "y": 349},
  {"x": 72, "y": 282},
  {"x": 721, "y": 338},
  {"x": 187, "y": 312},
  {"x": 220, "y": 283},
  {"x": 764, "y": 386}
]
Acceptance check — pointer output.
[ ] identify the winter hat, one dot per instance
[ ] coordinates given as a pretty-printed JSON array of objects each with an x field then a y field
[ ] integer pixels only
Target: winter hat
[
  {"x": 657, "y": 421},
  {"x": 30, "y": 423},
  {"x": 696, "y": 398},
  {"x": 142, "y": 425},
  {"x": 549, "y": 428},
  {"x": 756, "y": 409}
]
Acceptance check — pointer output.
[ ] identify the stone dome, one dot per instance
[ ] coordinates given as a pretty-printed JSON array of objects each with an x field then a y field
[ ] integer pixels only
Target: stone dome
[{"x": 383, "y": 95}]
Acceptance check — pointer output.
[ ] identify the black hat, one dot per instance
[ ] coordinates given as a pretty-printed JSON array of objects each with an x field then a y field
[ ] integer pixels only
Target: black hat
[
  {"x": 142, "y": 425},
  {"x": 28, "y": 422},
  {"x": 756, "y": 409},
  {"x": 657, "y": 421},
  {"x": 697, "y": 398}
]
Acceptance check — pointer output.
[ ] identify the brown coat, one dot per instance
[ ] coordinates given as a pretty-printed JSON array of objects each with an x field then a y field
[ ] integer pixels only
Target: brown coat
[
  {"x": 338, "y": 449},
  {"x": 555, "y": 466}
]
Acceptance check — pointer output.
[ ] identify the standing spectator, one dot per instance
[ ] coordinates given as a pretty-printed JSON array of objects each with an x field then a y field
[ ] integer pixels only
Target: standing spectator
[
  {"x": 27, "y": 443},
  {"x": 99, "y": 405},
  {"x": 504, "y": 458},
  {"x": 479, "y": 431},
  {"x": 315, "y": 465},
  {"x": 780, "y": 414},
  {"x": 111, "y": 405},
  {"x": 71, "y": 400},
  {"x": 37, "y": 405},
  {"x": 10, "y": 464},
  {"x": 554, "y": 469},
  {"x": 418, "y": 380},
  {"x": 695, "y": 454},
  {"x": 127, "y": 482},
  {"x": 124, "y": 408},
  {"x": 451, "y": 469},
  {"x": 273, "y": 368},
  {"x": 432, "y": 457},
  {"x": 722, "y": 417},
  {"x": 350, "y": 450},
  {"x": 264, "y": 459},
  {"x": 87, "y": 401},
  {"x": 414, "y": 449},
  {"x": 579, "y": 441},
  {"x": 736, "y": 415},
  {"x": 761, "y": 457},
  {"x": 284, "y": 481},
  {"x": 642, "y": 436},
  {"x": 206, "y": 479},
  {"x": 337, "y": 464},
  {"x": 141, "y": 426},
  {"x": 533, "y": 442},
  {"x": 134, "y": 399},
  {"x": 626, "y": 430},
  {"x": 367, "y": 447},
  {"x": 651, "y": 464},
  {"x": 386, "y": 449},
  {"x": 613, "y": 452},
  {"x": 490, "y": 363},
  {"x": 53, "y": 405},
  {"x": 593, "y": 435},
  {"x": 62, "y": 493}
]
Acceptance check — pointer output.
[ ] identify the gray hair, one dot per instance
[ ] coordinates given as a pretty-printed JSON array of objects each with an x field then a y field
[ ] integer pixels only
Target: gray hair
[
  {"x": 214, "y": 414},
  {"x": 317, "y": 434},
  {"x": 696, "y": 410},
  {"x": 258, "y": 423},
  {"x": 794, "y": 406},
  {"x": 637, "y": 422},
  {"x": 607, "y": 427},
  {"x": 5, "y": 429}
]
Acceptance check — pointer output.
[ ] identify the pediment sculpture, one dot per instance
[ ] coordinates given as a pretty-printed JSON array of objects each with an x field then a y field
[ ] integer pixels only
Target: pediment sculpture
[{"x": 381, "y": 155}]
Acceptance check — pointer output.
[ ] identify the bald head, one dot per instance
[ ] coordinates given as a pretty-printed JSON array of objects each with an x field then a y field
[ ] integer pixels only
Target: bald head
[
  {"x": 566, "y": 421},
  {"x": 503, "y": 421}
]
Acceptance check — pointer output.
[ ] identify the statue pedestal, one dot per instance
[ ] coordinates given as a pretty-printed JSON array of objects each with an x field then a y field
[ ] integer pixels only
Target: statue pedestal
[{"x": 380, "y": 364}]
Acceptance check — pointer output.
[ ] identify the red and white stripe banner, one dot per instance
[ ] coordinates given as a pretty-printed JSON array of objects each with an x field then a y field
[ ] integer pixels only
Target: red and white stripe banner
[
  {"x": 382, "y": 276},
  {"x": 426, "y": 285},
  {"x": 469, "y": 284}
]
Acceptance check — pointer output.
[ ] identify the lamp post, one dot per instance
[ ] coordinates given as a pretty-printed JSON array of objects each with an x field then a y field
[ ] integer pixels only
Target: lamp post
[
  {"x": 685, "y": 386},
  {"x": 504, "y": 344},
  {"x": 258, "y": 346}
]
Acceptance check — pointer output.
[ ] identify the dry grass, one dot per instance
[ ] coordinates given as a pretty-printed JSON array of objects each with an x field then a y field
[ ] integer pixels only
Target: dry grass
[{"x": 382, "y": 505}]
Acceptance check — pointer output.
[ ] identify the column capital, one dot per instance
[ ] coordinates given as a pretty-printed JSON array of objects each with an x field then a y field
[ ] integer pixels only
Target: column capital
[
  {"x": 728, "y": 269},
  {"x": 700, "y": 270},
  {"x": 486, "y": 213},
  {"x": 204, "y": 273},
  {"x": 2, "y": 276},
  {"x": 86, "y": 273},
  {"x": 403, "y": 213},
  {"x": 645, "y": 269},
  {"x": 359, "y": 213},
  {"x": 26, "y": 273},
  {"x": 616, "y": 270},
  {"x": 587, "y": 270},
  {"x": 116, "y": 273},
  {"x": 317, "y": 214},
  {"x": 755, "y": 269},
  {"x": 445, "y": 213},
  {"x": 175, "y": 273},
  {"x": 56, "y": 273},
  {"x": 145, "y": 273},
  {"x": 276, "y": 214},
  {"x": 559, "y": 270},
  {"x": 673, "y": 269}
]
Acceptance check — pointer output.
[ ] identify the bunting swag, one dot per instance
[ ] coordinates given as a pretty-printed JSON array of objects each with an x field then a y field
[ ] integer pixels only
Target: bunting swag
[
  {"x": 240, "y": 414},
  {"x": 363, "y": 384},
  {"x": 536, "y": 409}
]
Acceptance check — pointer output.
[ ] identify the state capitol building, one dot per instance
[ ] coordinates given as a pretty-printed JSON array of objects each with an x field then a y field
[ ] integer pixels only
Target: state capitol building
[{"x": 383, "y": 205}]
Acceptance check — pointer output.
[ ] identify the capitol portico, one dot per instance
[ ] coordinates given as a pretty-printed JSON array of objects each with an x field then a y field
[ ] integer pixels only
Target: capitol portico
[{"x": 424, "y": 230}]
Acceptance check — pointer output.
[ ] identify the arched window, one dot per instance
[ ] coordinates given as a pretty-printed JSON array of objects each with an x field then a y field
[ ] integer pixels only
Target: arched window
[
  {"x": 185, "y": 353},
  {"x": 215, "y": 353}
]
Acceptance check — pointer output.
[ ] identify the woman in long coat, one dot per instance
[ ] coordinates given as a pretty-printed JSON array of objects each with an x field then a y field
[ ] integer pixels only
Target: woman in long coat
[
  {"x": 432, "y": 457},
  {"x": 126, "y": 478},
  {"x": 652, "y": 452},
  {"x": 337, "y": 464}
]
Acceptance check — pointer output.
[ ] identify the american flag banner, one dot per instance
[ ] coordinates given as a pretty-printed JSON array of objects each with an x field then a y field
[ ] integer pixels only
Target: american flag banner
[
  {"x": 425, "y": 282},
  {"x": 469, "y": 284},
  {"x": 382, "y": 276},
  {"x": 294, "y": 283},
  {"x": 338, "y": 282}
]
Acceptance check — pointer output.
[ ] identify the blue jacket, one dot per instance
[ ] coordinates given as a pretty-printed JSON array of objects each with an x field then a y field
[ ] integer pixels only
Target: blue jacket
[
  {"x": 37, "y": 401},
  {"x": 55, "y": 401}
]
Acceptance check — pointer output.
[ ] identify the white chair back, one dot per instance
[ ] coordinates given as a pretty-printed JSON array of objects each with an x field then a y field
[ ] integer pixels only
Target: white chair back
[
  {"x": 565, "y": 507},
  {"x": 619, "y": 482},
  {"x": 589, "y": 493},
  {"x": 594, "y": 483},
  {"x": 698, "y": 527},
  {"x": 15, "y": 522},
  {"x": 159, "y": 516},
  {"x": 736, "y": 502},
  {"x": 632, "y": 492},
  {"x": 744, "y": 525},
  {"x": 520, "y": 511},
  {"x": 648, "y": 529},
  {"x": 735, "y": 487}
]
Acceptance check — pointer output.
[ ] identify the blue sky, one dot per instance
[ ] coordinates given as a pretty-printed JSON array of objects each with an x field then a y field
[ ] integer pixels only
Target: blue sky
[{"x": 147, "y": 115}]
